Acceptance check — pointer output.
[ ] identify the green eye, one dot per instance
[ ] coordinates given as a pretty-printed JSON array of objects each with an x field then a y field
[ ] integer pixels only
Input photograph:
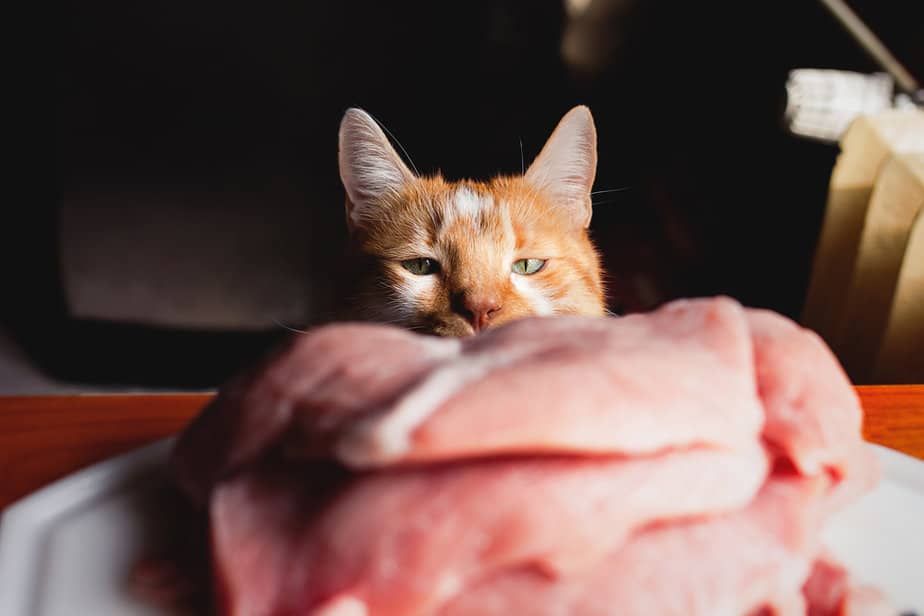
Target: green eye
[
  {"x": 421, "y": 266},
  {"x": 527, "y": 267}
]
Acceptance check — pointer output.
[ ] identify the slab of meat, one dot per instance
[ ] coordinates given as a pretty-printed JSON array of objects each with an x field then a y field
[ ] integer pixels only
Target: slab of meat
[
  {"x": 763, "y": 558},
  {"x": 560, "y": 465},
  {"x": 812, "y": 412},
  {"x": 813, "y": 415},
  {"x": 373, "y": 396},
  {"x": 329, "y": 377},
  {"x": 404, "y": 540},
  {"x": 632, "y": 385},
  {"x": 726, "y": 565}
]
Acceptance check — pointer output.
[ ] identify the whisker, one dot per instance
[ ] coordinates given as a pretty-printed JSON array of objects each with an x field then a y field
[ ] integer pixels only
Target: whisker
[
  {"x": 611, "y": 190},
  {"x": 291, "y": 329},
  {"x": 522, "y": 162}
]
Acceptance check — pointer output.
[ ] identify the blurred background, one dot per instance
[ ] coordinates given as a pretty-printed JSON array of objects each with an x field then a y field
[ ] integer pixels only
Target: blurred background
[{"x": 195, "y": 204}]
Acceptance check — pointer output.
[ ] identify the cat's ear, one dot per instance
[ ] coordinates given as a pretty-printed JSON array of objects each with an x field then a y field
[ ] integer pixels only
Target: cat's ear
[
  {"x": 566, "y": 166},
  {"x": 369, "y": 167}
]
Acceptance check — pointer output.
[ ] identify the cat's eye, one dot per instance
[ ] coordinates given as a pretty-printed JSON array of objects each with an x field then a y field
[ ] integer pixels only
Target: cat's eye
[
  {"x": 527, "y": 267},
  {"x": 421, "y": 266}
]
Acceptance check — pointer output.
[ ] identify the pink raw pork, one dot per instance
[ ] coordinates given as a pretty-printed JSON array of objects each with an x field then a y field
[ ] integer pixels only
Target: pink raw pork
[
  {"x": 813, "y": 414},
  {"x": 562, "y": 465},
  {"x": 404, "y": 540},
  {"x": 372, "y": 396},
  {"x": 725, "y": 565}
]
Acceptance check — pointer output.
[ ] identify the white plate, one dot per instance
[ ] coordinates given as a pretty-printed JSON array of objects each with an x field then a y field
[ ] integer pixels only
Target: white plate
[{"x": 65, "y": 550}]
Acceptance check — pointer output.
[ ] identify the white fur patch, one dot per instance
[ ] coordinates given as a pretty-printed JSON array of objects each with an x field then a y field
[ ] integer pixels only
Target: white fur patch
[
  {"x": 540, "y": 304},
  {"x": 466, "y": 203},
  {"x": 413, "y": 290},
  {"x": 508, "y": 224}
]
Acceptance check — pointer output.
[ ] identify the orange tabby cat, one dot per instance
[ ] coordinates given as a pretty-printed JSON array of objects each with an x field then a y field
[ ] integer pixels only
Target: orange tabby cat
[{"x": 454, "y": 258}]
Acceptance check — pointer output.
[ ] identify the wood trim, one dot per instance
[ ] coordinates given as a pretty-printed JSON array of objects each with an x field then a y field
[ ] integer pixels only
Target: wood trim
[{"x": 45, "y": 438}]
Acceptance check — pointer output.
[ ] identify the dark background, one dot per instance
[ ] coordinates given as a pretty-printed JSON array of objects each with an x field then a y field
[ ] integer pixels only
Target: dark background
[{"x": 235, "y": 106}]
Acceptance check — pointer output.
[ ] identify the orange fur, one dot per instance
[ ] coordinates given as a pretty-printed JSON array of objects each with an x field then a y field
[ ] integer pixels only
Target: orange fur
[{"x": 475, "y": 231}]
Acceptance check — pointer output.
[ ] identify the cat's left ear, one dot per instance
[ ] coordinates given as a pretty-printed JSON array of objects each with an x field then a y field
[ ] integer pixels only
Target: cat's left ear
[
  {"x": 370, "y": 168},
  {"x": 566, "y": 166}
]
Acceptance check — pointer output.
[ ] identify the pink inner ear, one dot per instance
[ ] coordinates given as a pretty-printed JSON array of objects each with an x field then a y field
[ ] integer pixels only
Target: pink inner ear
[
  {"x": 370, "y": 168},
  {"x": 567, "y": 164}
]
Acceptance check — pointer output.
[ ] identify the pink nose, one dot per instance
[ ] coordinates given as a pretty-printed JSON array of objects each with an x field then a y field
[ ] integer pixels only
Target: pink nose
[{"x": 476, "y": 309}]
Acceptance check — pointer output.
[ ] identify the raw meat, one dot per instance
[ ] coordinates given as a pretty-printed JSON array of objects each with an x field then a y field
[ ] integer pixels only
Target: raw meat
[
  {"x": 373, "y": 396},
  {"x": 404, "y": 540},
  {"x": 632, "y": 385},
  {"x": 829, "y": 591},
  {"x": 553, "y": 466},
  {"x": 726, "y": 565},
  {"x": 323, "y": 378},
  {"x": 813, "y": 415}
]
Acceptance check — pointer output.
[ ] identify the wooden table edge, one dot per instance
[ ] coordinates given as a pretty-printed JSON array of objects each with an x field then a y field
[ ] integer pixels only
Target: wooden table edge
[{"x": 45, "y": 438}]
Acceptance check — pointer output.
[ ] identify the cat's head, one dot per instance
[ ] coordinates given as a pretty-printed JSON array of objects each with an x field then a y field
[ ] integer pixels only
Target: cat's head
[{"x": 453, "y": 258}]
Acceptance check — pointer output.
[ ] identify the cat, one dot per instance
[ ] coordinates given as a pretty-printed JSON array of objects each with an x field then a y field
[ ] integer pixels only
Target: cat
[
  {"x": 456, "y": 258},
  {"x": 445, "y": 258}
]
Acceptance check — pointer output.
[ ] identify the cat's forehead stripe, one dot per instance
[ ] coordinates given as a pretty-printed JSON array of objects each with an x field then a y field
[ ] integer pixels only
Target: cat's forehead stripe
[{"x": 467, "y": 203}]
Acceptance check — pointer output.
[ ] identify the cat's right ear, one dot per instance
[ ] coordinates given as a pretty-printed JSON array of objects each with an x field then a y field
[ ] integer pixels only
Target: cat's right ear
[
  {"x": 370, "y": 169},
  {"x": 567, "y": 164}
]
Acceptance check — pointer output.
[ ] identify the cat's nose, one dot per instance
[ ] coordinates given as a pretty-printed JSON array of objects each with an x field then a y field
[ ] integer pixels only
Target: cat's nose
[{"x": 477, "y": 309}]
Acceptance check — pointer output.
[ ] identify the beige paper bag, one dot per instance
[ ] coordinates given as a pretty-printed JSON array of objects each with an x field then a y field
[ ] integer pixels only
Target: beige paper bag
[
  {"x": 867, "y": 144},
  {"x": 897, "y": 199},
  {"x": 901, "y": 356}
]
